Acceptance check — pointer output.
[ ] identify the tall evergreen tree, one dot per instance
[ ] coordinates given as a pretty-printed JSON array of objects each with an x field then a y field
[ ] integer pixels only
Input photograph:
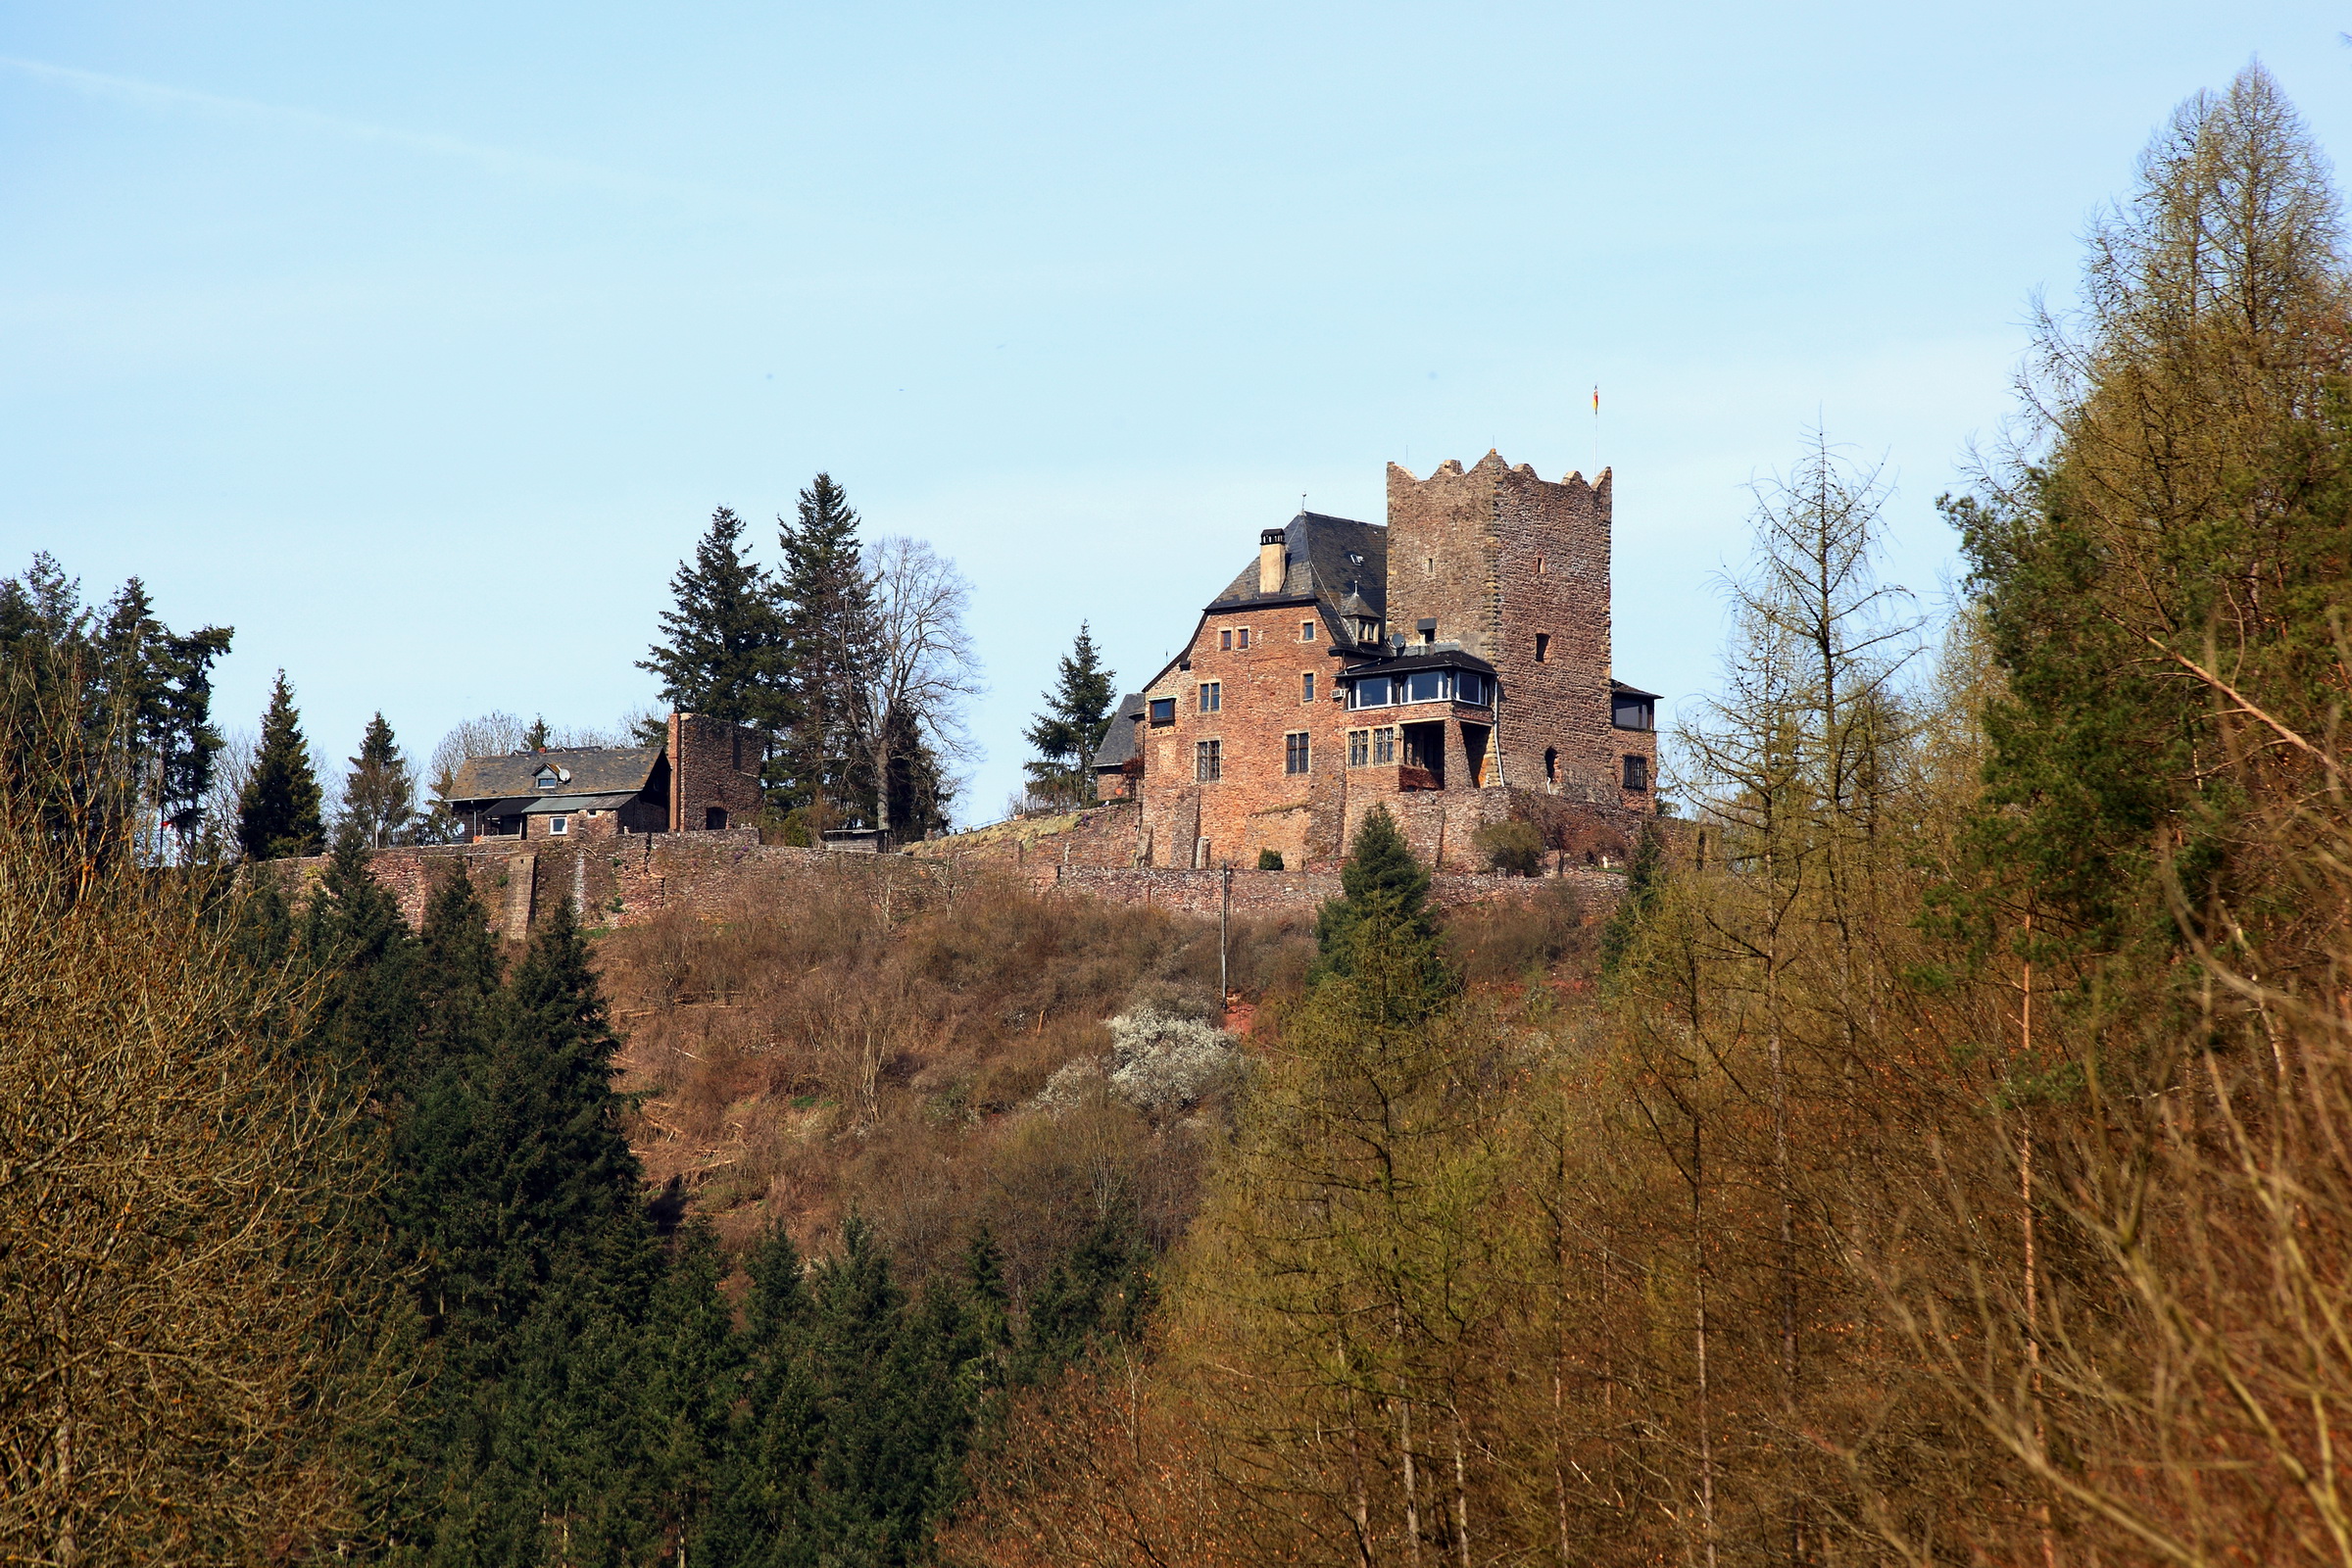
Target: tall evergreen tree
[
  {"x": 689, "y": 1383},
  {"x": 1076, "y": 717},
  {"x": 1383, "y": 883},
  {"x": 368, "y": 1014},
  {"x": 380, "y": 793},
  {"x": 722, "y": 653},
  {"x": 829, "y": 642},
  {"x": 279, "y": 811}
]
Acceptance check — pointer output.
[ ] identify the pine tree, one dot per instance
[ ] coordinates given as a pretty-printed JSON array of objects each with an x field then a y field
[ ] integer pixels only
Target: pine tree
[
  {"x": 829, "y": 632},
  {"x": 277, "y": 814},
  {"x": 762, "y": 1510},
  {"x": 724, "y": 653},
  {"x": 380, "y": 793},
  {"x": 1077, "y": 716}
]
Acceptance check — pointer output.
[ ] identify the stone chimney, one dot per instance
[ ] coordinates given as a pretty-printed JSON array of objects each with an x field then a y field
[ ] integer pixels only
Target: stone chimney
[{"x": 1271, "y": 566}]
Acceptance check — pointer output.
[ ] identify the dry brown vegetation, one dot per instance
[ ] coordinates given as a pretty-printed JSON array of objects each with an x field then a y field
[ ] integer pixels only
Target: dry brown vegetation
[{"x": 802, "y": 1057}]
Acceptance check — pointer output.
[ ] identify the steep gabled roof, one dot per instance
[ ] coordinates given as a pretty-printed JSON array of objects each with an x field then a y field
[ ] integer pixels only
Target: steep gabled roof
[
  {"x": 1330, "y": 560},
  {"x": 593, "y": 770},
  {"x": 1118, "y": 742}
]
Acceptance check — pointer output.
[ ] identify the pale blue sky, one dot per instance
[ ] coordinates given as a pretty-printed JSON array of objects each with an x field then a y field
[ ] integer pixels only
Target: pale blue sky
[{"x": 419, "y": 341}]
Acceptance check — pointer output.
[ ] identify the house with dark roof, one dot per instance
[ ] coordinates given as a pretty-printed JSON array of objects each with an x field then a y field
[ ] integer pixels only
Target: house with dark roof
[
  {"x": 1451, "y": 664},
  {"x": 704, "y": 777}
]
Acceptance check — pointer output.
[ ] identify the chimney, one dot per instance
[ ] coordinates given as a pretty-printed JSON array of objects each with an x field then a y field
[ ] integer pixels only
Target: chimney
[{"x": 1271, "y": 569}]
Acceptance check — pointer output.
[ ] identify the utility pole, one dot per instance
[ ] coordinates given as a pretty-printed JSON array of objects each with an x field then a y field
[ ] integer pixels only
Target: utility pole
[{"x": 1224, "y": 928}]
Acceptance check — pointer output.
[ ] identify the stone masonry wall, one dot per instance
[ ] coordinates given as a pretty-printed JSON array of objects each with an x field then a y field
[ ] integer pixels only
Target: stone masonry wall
[
  {"x": 713, "y": 765},
  {"x": 1499, "y": 557}
]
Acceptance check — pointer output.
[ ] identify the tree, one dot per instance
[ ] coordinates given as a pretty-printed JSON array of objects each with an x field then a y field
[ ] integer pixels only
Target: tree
[
  {"x": 903, "y": 702},
  {"x": 828, "y": 613},
  {"x": 279, "y": 814},
  {"x": 145, "y": 741},
  {"x": 1381, "y": 876},
  {"x": 379, "y": 797},
  {"x": 2180, "y": 515},
  {"x": 1077, "y": 716},
  {"x": 724, "y": 637}
]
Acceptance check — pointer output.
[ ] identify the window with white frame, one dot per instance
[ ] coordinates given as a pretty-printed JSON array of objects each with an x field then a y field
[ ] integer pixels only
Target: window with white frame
[{"x": 559, "y": 825}]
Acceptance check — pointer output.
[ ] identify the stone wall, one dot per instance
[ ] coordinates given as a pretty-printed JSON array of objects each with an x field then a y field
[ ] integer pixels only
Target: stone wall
[
  {"x": 713, "y": 767},
  {"x": 1499, "y": 558},
  {"x": 1265, "y": 894}
]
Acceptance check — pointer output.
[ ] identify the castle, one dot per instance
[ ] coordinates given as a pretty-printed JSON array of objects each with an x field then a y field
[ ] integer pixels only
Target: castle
[{"x": 1451, "y": 665}]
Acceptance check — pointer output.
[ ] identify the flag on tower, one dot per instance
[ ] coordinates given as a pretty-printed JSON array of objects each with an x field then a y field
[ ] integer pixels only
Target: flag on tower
[{"x": 1596, "y": 400}]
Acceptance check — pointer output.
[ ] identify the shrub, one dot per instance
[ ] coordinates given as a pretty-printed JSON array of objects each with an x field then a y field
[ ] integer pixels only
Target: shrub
[
  {"x": 1514, "y": 848},
  {"x": 1269, "y": 859}
]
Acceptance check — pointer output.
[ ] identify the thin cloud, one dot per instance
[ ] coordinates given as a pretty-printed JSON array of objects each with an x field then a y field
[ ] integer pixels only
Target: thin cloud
[{"x": 494, "y": 159}]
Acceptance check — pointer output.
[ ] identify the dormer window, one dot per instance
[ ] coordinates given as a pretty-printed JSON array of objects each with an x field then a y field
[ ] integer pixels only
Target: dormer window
[{"x": 548, "y": 781}]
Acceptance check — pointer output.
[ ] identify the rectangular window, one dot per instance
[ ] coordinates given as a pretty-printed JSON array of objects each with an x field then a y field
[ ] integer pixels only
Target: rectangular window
[
  {"x": 1360, "y": 747},
  {"x": 1225, "y": 638},
  {"x": 558, "y": 826},
  {"x": 1470, "y": 687},
  {"x": 1307, "y": 631},
  {"x": 1212, "y": 696},
  {"x": 1370, "y": 691},
  {"x": 1163, "y": 710},
  {"x": 1209, "y": 762},
  {"x": 1294, "y": 753},
  {"x": 1384, "y": 746},
  {"x": 1633, "y": 713},
  {"x": 1637, "y": 772},
  {"x": 1542, "y": 646},
  {"x": 1429, "y": 685},
  {"x": 1242, "y": 638},
  {"x": 1307, "y": 687},
  {"x": 548, "y": 783}
]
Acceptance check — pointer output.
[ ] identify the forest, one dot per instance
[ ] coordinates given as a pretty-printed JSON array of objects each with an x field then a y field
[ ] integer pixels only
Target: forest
[{"x": 1939, "y": 1153}]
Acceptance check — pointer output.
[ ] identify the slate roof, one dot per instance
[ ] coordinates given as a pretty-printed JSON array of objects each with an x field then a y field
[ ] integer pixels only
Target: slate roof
[
  {"x": 1118, "y": 742},
  {"x": 595, "y": 770},
  {"x": 1342, "y": 564}
]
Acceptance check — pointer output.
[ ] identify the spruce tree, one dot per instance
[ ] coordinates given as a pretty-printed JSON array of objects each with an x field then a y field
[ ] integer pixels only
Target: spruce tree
[
  {"x": 368, "y": 1015},
  {"x": 722, "y": 653},
  {"x": 1381, "y": 877},
  {"x": 380, "y": 793},
  {"x": 1643, "y": 879},
  {"x": 829, "y": 636},
  {"x": 689, "y": 1383},
  {"x": 277, "y": 811},
  {"x": 1077, "y": 716},
  {"x": 760, "y": 1512}
]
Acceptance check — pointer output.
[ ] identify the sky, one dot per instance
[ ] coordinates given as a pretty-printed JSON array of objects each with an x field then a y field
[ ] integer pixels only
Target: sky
[{"x": 417, "y": 341}]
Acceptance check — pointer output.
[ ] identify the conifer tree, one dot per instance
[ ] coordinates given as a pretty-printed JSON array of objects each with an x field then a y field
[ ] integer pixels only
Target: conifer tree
[
  {"x": 535, "y": 738},
  {"x": 380, "y": 793},
  {"x": 1076, "y": 717},
  {"x": 368, "y": 1014},
  {"x": 722, "y": 653},
  {"x": 689, "y": 1382},
  {"x": 1381, "y": 878},
  {"x": 279, "y": 811},
  {"x": 762, "y": 1508},
  {"x": 829, "y": 633}
]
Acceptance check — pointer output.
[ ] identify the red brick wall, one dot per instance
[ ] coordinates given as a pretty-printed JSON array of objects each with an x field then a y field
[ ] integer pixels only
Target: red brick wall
[{"x": 1255, "y": 805}]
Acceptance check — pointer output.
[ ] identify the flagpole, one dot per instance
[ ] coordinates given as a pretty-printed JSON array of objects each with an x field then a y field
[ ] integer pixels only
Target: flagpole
[{"x": 1596, "y": 435}]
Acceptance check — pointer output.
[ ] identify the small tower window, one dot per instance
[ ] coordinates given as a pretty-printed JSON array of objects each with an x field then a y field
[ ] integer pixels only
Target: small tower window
[
  {"x": 1307, "y": 631},
  {"x": 1542, "y": 646},
  {"x": 1307, "y": 687},
  {"x": 1551, "y": 764},
  {"x": 1240, "y": 639},
  {"x": 1637, "y": 772},
  {"x": 1225, "y": 638},
  {"x": 1212, "y": 696}
]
